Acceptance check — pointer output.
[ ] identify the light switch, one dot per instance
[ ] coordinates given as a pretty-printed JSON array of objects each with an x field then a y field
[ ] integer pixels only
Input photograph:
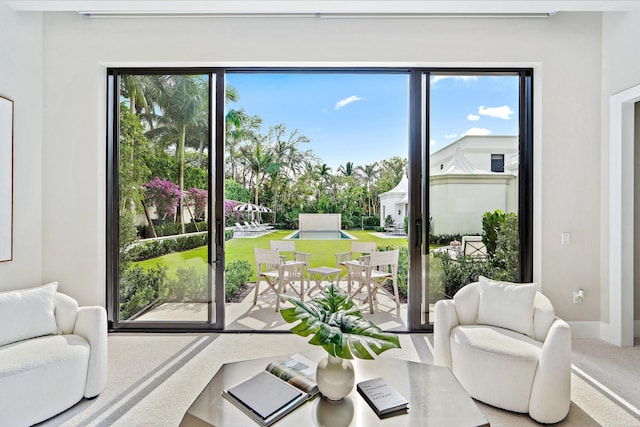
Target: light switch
[{"x": 566, "y": 238}]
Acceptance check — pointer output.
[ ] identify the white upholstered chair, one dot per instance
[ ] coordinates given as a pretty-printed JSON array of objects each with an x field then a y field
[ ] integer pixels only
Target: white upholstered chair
[
  {"x": 52, "y": 354},
  {"x": 507, "y": 348}
]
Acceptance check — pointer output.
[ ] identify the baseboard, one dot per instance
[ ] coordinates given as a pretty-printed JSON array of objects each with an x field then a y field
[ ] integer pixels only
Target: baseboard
[{"x": 587, "y": 329}]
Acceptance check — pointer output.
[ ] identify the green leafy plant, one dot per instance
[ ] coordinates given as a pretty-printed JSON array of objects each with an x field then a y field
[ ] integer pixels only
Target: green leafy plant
[
  {"x": 237, "y": 273},
  {"x": 338, "y": 326}
]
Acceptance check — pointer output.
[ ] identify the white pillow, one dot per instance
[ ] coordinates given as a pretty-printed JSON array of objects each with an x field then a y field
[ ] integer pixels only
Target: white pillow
[
  {"x": 507, "y": 305},
  {"x": 27, "y": 313}
]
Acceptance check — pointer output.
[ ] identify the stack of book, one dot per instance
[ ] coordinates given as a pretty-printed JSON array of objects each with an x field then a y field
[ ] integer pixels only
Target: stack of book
[
  {"x": 383, "y": 398},
  {"x": 279, "y": 389}
]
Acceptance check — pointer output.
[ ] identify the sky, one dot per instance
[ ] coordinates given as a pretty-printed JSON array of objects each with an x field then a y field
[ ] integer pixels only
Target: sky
[{"x": 364, "y": 118}]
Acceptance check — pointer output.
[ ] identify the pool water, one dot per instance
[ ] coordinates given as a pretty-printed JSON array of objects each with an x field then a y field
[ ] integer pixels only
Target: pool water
[{"x": 320, "y": 235}]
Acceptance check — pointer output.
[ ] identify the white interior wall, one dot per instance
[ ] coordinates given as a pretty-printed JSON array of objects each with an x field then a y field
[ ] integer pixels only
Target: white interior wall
[
  {"x": 21, "y": 81},
  {"x": 620, "y": 72},
  {"x": 77, "y": 51}
]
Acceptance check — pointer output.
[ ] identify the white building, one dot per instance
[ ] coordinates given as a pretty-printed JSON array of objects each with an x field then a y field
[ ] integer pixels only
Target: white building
[
  {"x": 469, "y": 177},
  {"x": 395, "y": 202}
]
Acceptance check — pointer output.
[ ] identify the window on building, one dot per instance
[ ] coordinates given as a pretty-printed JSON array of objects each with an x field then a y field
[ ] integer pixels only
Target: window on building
[{"x": 497, "y": 163}]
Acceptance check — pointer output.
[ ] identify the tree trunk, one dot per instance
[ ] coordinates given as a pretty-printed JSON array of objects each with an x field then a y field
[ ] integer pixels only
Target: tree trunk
[
  {"x": 146, "y": 213},
  {"x": 180, "y": 213}
]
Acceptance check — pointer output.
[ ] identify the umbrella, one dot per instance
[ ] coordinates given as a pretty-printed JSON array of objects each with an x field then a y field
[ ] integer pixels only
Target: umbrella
[
  {"x": 246, "y": 207},
  {"x": 250, "y": 207}
]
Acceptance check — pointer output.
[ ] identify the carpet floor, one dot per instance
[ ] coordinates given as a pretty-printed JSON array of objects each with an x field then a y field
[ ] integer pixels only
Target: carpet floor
[{"x": 154, "y": 378}]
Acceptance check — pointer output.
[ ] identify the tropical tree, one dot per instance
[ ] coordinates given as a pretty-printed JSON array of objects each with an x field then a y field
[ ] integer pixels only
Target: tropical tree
[
  {"x": 184, "y": 102},
  {"x": 391, "y": 172},
  {"x": 347, "y": 169},
  {"x": 134, "y": 149},
  {"x": 369, "y": 173},
  {"x": 261, "y": 162}
]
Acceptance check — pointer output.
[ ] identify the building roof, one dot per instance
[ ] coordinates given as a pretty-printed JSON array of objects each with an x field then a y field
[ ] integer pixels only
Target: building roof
[
  {"x": 401, "y": 188},
  {"x": 460, "y": 165}
]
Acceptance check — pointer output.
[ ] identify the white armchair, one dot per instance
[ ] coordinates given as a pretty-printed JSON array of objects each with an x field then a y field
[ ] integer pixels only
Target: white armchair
[
  {"x": 504, "y": 344},
  {"x": 52, "y": 354}
]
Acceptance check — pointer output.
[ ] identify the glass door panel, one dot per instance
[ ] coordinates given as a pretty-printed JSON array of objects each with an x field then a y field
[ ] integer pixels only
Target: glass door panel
[
  {"x": 165, "y": 273},
  {"x": 312, "y": 159},
  {"x": 473, "y": 180}
]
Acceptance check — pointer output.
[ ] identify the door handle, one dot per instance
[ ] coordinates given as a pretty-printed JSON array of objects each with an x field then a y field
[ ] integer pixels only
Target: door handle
[{"x": 219, "y": 237}]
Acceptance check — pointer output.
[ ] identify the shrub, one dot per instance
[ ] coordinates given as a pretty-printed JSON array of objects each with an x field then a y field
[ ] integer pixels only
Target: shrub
[
  {"x": 491, "y": 223},
  {"x": 371, "y": 221},
  {"x": 444, "y": 239},
  {"x": 388, "y": 220},
  {"x": 507, "y": 250},
  {"x": 461, "y": 271},
  {"x": 156, "y": 248},
  {"x": 236, "y": 274},
  {"x": 189, "y": 285},
  {"x": 403, "y": 268},
  {"x": 139, "y": 289}
]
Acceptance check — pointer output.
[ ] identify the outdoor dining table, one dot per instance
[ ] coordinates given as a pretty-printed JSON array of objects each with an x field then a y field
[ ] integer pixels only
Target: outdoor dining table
[{"x": 320, "y": 274}]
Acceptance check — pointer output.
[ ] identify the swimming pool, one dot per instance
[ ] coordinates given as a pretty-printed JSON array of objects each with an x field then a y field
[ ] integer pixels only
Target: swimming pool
[{"x": 320, "y": 235}]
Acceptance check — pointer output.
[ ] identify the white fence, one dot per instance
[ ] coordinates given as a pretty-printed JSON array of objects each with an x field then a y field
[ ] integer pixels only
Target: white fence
[{"x": 319, "y": 222}]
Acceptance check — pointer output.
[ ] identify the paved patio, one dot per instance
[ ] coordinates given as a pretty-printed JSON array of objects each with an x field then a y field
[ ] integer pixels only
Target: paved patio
[{"x": 244, "y": 315}]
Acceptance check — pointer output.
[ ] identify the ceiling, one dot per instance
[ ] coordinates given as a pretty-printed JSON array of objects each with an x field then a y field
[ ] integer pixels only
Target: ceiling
[{"x": 323, "y": 8}]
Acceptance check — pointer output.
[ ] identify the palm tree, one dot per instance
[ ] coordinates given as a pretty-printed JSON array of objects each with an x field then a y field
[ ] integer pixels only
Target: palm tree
[
  {"x": 183, "y": 99},
  {"x": 347, "y": 169},
  {"x": 261, "y": 161},
  {"x": 370, "y": 173}
]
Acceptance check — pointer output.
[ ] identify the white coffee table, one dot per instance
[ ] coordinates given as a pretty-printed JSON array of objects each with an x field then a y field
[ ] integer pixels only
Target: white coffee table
[{"x": 435, "y": 397}]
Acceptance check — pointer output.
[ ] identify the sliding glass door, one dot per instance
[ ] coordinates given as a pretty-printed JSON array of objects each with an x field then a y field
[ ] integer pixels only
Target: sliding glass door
[
  {"x": 206, "y": 165},
  {"x": 478, "y": 158},
  {"x": 161, "y": 182}
]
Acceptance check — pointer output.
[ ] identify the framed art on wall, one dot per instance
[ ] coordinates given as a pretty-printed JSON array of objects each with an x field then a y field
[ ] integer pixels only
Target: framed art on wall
[{"x": 6, "y": 179}]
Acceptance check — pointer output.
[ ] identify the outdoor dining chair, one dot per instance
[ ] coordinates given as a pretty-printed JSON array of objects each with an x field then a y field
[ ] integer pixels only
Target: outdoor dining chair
[
  {"x": 381, "y": 267},
  {"x": 278, "y": 275},
  {"x": 472, "y": 246},
  {"x": 361, "y": 249}
]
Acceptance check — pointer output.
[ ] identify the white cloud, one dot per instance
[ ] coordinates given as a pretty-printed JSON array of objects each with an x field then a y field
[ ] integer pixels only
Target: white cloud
[
  {"x": 473, "y": 117},
  {"x": 503, "y": 112},
  {"x": 433, "y": 142},
  {"x": 450, "y": 135},
  {"x": 347, "y": 101},
  {"x": 436, "y": 79},
  {"x": 477, "y": 131}
]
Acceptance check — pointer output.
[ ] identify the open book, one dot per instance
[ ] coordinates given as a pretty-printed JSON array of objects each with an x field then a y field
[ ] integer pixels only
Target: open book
[{"x": 279, "y": 389}]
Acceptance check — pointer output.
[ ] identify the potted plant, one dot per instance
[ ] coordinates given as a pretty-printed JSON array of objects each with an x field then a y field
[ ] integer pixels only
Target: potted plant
[{"x": 338, "y": 327}]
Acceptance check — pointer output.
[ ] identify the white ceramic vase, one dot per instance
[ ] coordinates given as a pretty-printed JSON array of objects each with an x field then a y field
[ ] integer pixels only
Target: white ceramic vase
[{"x": 335, "y": 377}]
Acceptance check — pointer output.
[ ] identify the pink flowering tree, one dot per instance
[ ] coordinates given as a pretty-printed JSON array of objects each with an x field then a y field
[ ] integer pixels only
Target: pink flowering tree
[
  {"x": 229, "y": 214},
  {"x": 198, "y": 199},
  {"x": 164, "y": 195}
]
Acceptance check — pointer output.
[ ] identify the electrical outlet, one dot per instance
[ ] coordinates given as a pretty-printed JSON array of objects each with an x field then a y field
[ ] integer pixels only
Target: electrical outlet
[
  {"x": 578, "y": 296},
  {"x": 566, "y": 238}
]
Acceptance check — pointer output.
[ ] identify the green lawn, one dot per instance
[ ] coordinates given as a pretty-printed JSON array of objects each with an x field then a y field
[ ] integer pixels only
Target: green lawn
[{"x": 242, "y": 249}]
